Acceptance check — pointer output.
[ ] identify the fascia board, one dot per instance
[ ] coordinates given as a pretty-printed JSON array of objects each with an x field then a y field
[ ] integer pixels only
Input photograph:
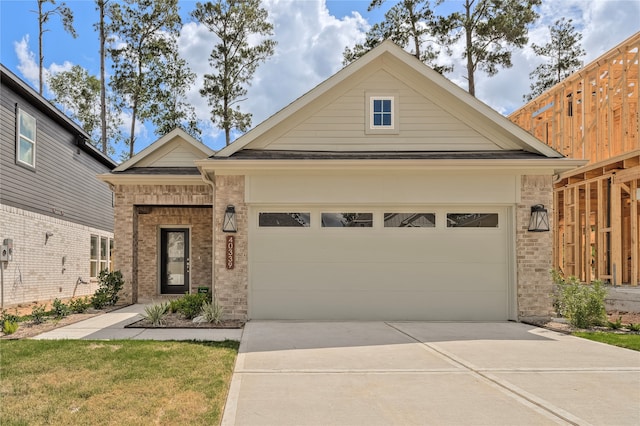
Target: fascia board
[{"x": 128, "y": 179}]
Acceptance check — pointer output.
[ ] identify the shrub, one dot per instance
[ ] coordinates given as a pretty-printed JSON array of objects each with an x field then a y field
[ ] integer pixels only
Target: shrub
[
  {"x": 174, "y": 305},
  {"x": 9, "y": 327},
  {"x": 38, "y": 313},
  {"x": 583, "y": 305},
  {"x": 6, "y": 316},
  {"x": 155, "y": 313},
  {"x": 616, "y": 325},
  {"x": 79, "y": 305},
  {"x": 109, "y": 284},
  {"x": 634, "y": 327},
  {"x": 60, "y": 310},
  {"x": 190, "y": 305},
  {"x": 210, "y": 312}
]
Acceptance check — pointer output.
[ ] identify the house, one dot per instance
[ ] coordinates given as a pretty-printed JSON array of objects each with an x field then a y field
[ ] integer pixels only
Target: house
[
  {"x": 386, "y": 192},
  {"x": 56, "y": 218},
  {"x": 593, "y": 115}
]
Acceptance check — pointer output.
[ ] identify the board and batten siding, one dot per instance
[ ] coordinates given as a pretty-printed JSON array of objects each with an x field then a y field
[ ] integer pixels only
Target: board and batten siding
[
  {"x": 64, "y": 183},
  {"x": 340, "y": 124}
]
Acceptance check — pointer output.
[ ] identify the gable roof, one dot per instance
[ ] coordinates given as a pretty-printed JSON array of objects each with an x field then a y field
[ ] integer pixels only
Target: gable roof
[
  {"x": 176, "y": 149},
  {"x": 497, "y": 130}
]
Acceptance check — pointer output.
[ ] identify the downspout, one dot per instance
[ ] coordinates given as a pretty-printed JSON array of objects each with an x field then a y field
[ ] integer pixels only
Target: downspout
[{"x": 210, "y": 182}]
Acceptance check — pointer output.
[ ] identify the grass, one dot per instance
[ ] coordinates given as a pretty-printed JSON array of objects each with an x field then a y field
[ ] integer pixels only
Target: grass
[
  {"x": 629, "y": 341},
  {"x": 114, "y": 382}
]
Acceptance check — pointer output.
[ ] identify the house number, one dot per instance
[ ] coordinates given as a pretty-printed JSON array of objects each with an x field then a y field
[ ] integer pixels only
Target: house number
[{"x": 231, "y": 251}]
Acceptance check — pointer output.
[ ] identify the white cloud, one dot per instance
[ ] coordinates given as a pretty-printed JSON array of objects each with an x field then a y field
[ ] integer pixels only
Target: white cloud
[{"x": 27, "y": 61}]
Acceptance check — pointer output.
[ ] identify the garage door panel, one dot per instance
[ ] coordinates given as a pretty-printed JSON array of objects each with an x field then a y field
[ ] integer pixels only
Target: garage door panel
[
  {"x": 410, "y": 306},
  {"x": 380, "y": 247}
]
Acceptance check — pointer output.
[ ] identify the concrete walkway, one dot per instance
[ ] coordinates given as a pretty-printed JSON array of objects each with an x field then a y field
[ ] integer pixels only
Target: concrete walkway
[
  {"x": 413, "y": 373},
  {"x": 111, "y": 326}
]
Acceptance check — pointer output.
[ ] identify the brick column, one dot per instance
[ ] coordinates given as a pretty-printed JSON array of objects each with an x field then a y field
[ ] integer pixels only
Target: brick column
[
  {"x": 534, "y": 250},
  {"x": 231, "y": 286}
]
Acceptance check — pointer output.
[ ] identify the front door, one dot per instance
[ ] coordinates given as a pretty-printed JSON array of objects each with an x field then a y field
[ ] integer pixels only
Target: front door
[{"x": 174, "y": 260}]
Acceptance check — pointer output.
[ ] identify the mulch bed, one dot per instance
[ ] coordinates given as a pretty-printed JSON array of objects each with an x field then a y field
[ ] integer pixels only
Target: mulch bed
[{"x": 175, "y": 320}]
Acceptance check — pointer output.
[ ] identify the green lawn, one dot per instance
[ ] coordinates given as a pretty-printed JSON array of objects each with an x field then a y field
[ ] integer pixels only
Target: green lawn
[
  {"x": 629, "y": 341},
  {"x": 114, "y": 382}
]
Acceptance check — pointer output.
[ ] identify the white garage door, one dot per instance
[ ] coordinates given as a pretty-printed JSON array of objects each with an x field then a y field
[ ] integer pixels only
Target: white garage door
[{"x": 345, "y": 263}]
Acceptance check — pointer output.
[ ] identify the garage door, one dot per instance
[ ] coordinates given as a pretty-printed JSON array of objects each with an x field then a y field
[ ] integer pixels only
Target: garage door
[{"x": 368, "y": 263}]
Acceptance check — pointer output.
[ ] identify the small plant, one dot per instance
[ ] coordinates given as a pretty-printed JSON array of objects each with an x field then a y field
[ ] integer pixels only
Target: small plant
[
  {"x": 174, "y": 305},
  {"x": 9, "y": 327},
  {"x": 616, "y": 325},
  {"x": 6, "y": 316},
  {"x": 38, "y": 314},
  {"x": 583, "y": 305},
  {"x": 191, "y": 304},
  {"x": 155, "y": 313},
  {"x": 109, "y": 284},
  {"x": 79, "y": 305},
  {"x": 210, "y": 312},
  {"x": 60, "y": 310},
  {"x": 634, "y": 327}
]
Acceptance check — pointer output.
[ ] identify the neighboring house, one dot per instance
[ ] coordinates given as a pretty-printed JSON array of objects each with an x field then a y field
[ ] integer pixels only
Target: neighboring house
[
  {"x": 56, "y": 214},
  {"x": 593, "y": 115},
  {"x": 386, "y": 192}
]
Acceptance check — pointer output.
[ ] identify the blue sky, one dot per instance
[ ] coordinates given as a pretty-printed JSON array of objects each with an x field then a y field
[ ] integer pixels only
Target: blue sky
[{"x": 311, "y": 35}]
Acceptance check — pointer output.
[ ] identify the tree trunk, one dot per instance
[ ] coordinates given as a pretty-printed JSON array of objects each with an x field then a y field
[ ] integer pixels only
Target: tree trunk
[
  {"x": 103, "y": 101},
  {"x": 468, "y": 31},
  {"x": 40, "y": 54}
]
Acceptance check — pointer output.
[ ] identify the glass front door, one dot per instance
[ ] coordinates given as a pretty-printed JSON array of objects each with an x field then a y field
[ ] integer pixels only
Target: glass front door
[{"x": 174, "y": 258}]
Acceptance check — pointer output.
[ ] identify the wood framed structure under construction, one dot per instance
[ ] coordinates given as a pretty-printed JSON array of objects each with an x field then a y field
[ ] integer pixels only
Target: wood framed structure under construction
[{"x": 593, "y": 115}]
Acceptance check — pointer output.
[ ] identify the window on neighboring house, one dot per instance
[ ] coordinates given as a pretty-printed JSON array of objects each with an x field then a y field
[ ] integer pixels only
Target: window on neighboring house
[
  {"x": 100, "y": 255},
  {"x": 111, "y": 247},
  {"x": 94, "y": 256},
  {"x": 26, "y": 140}
]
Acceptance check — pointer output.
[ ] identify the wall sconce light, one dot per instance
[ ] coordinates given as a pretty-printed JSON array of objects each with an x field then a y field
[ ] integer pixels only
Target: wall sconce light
[
  {"x": 48, "y": 235},
  {"x": 229, "y": 223},
  {"x": 539, "y": 221}
]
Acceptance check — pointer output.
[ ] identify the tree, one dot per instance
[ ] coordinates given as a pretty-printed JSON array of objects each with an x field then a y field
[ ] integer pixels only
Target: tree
[
  {"x": 43, "y": 17},
  {"x": 101, "y": 5},
  {"x": 173, "y": 111},
  {"x": 408, "y": 23},
  {"x": 490, "y": 29},
  {"x": 233, "y": 59},
  {"x": 564, "y": 52},
  {"x": 146, "y": 33},
  {"x": 77, "y": 93}
]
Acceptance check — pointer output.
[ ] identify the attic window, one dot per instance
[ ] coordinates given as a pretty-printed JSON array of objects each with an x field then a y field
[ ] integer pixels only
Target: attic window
[{"x": 381, "y": 114}]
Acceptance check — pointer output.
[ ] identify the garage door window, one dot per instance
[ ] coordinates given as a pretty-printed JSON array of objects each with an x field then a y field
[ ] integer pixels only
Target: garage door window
[
  {"x": 472, "y": 220},
  {"x": 409, "y": 220},
  {"x": 347, "y": 220},
  {"x": 285, "y": 220}
]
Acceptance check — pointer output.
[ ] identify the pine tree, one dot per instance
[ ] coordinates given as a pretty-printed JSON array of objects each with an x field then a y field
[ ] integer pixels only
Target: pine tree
[
  {"x": 563, "y": 51},
  {"x": 233, "y": 59},
  {"x": 43, "y": 17},
  {"x": 490, "y": 29}
]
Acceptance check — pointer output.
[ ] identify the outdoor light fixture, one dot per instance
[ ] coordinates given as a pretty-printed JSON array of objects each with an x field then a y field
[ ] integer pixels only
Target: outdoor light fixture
[
  {"x": 47, "y": 235},
  {"x": 229, "y": 223},
  {"x": 539, "y": 221}
]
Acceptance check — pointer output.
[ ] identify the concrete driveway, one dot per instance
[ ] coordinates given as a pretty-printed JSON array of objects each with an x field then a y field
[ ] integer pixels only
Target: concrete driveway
[{"x": 414, "y": 373}]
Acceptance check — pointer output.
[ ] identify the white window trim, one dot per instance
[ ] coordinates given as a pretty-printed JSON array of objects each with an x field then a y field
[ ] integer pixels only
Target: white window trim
[
  {"x": 21, "y": 113},
  {"x": 370, "y": 129}
]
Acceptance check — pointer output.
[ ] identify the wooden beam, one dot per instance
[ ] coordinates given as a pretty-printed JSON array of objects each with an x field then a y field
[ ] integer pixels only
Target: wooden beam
[
  {"x": 635, "y": 234},
  {"x": 616, "y": 234}
]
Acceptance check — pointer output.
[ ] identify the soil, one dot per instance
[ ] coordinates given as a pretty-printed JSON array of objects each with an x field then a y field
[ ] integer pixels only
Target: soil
[{"x": 28, "y": 329}]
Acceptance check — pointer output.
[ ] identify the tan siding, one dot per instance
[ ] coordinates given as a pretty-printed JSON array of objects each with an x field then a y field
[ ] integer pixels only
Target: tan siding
[{"x": 340, "y": 124}]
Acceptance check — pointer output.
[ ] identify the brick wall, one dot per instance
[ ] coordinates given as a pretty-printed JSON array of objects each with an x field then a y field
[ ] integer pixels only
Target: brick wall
[
  {"x": 127, "y": 198},
  {"x": 37, "y": 272},
  {"x": 198, "y": 220},
  {"x": 534, "y": 257},
  {"x": 231, "y": 285}
]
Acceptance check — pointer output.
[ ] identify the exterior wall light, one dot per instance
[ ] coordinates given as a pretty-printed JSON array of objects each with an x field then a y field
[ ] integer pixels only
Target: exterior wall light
[
  {"x": 229, "y": 223},
  {"x": 539, "y": 221}
]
